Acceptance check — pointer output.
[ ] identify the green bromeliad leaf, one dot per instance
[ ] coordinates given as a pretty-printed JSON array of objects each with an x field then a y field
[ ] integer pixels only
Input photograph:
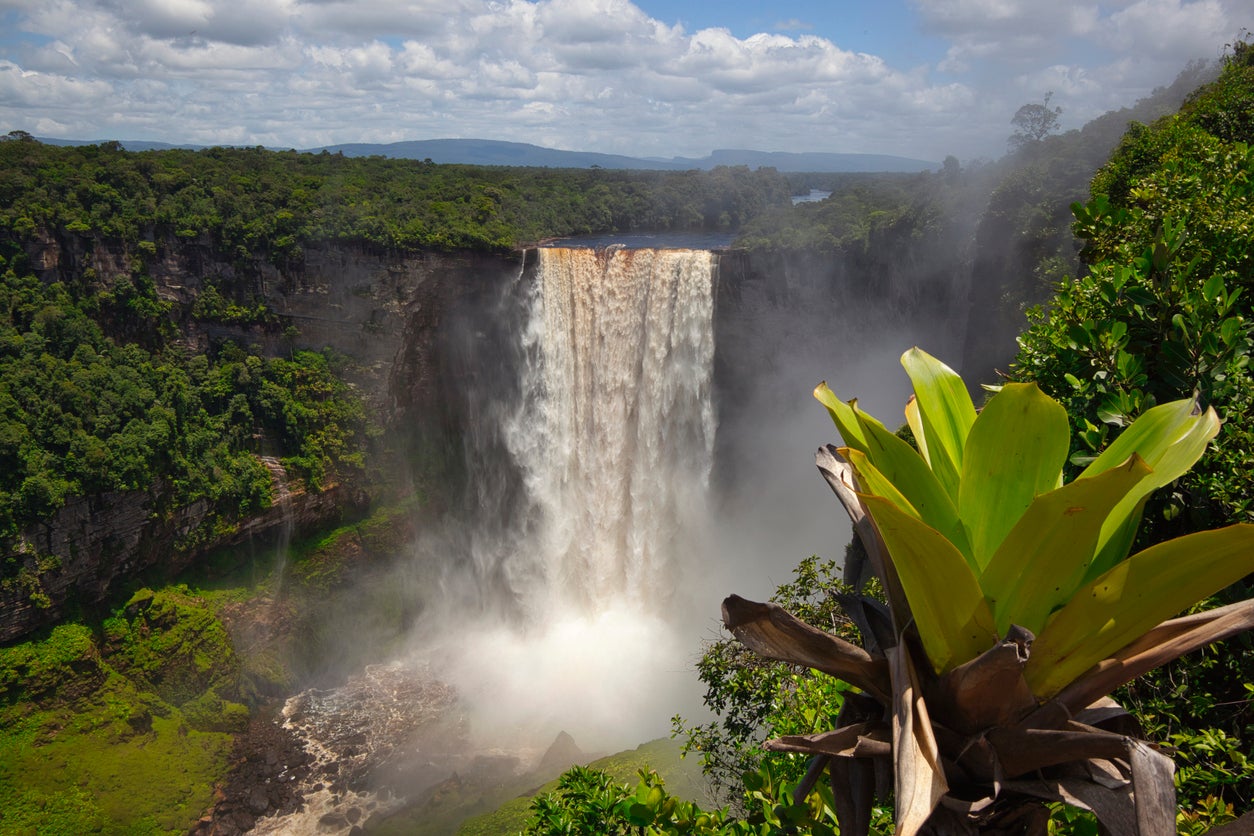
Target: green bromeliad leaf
[
  {"x": 1015, "y": 451},
  {"x": 945, "y": 415},
  {"x": 897, "y": 464},
  {"x": 1170, "y": 438},
  {"x": 914, "y": 420},
  {"x": 982, "y": 534},
  {"x": 954, "y": 622},
  {"x": 894, "y": 470},
  {"x": 844, "y": 416},
  {"x": 1123, "y": 603},
  {"x": 872, "y": 481},
  {"x": 1045, "y": 557}
]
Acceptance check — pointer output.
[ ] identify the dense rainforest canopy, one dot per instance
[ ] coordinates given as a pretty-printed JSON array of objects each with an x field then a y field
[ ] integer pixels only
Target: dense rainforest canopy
[
  {"x": 268, "y": 201},
  {"x": 96, "y": 395}
]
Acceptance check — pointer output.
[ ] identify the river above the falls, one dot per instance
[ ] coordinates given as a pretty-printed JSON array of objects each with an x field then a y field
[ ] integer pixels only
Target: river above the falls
[{"x": 649, "y": 241}]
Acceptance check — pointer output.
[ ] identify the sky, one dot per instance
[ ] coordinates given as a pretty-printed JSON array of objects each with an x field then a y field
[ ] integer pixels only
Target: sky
[{"x": 660, "y": 78}]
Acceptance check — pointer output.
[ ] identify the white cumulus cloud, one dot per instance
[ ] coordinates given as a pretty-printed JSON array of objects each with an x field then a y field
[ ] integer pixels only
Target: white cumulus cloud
[{"x": 587, "y": 74}]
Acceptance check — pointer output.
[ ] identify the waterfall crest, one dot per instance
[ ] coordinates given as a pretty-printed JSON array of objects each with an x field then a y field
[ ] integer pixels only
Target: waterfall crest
[{"x": 615, "y": 426}]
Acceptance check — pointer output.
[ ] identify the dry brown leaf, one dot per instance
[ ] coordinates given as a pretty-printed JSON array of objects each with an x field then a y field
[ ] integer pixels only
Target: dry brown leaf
[
  {"x": 853, "y": 791},
  {"x": 1153, "y": 790},
  {"x": 1114, "y": 808},
  {"x": 989, "y": 691},
  {"x": 1021, "y": 751},
  {"x": 920, "y": 779},
  {"x": 861, "y": 740},
  {"x": 770, "y": 631},
  {"x": 839, "y": 476},
  {"x": 1143, "y": 806}
]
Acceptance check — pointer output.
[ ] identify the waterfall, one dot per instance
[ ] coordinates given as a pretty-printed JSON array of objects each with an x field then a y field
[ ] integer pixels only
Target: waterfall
[
  {"x": 590, "y": 473},
  {"x": 614, "y": 429}
]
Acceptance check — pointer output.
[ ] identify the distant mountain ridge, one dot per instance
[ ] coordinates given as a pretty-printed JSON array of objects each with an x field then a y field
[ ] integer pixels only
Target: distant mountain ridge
[
  {"x": 496, "y": 152},
  {"x": 809, "y": 161}
]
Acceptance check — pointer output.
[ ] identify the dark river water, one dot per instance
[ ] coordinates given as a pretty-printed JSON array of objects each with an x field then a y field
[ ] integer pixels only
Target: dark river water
[{"x": 652, "y": 241}]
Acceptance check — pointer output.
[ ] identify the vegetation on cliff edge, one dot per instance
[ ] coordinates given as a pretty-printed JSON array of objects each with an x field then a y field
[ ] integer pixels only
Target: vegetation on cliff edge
[{"x": 96, "y": 396}]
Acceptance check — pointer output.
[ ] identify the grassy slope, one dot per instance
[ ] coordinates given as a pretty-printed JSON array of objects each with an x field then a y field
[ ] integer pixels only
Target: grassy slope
[{"x": 100, "y": 751}]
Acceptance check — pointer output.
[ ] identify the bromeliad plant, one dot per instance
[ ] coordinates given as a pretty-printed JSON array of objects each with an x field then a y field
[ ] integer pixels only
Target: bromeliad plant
[{"x": 1013, "y": 610}]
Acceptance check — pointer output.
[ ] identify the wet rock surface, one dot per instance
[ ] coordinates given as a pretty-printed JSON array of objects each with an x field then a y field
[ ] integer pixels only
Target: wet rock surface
[
  {"x": 334, "y": 758},
  {"x": 270, "y": 766},
  {"x": 374, "y": 725}
]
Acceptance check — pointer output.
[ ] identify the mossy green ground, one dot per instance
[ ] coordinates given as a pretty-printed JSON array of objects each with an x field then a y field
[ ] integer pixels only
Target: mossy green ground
[
  {"x": 124, "y": 726},
  {"x": 85, "y": 748}
]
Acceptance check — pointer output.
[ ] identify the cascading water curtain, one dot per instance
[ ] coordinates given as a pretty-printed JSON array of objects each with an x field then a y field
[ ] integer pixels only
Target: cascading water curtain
[{"x": 615, "y": 430}]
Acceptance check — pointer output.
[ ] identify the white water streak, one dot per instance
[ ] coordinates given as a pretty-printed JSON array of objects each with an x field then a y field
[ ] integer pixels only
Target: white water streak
[{"x": 615, "y": 431}]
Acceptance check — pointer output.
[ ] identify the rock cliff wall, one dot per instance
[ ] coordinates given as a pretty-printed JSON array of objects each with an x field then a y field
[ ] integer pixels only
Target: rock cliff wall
[
  {"x": 367, "y": 302},
  {"x": 401, "y": 317},
  {"x": 786, "y": 320},
  {"x": 96, "y": 545}
]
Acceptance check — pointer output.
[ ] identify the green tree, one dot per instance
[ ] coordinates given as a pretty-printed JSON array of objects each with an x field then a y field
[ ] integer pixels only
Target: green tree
[
  {"x": 1164, "y": 306},
  {"x": 754, "y": 699},
  {"x": 587, "y": 801},
  {"x": 1033, "y": 122}
]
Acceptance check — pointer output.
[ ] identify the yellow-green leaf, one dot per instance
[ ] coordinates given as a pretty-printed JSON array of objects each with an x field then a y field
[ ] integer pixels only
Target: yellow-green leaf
[
  {"x": 945, "y": 414},
  {"x": 1014, "y": 452},
  {"x": 901, "y": 465},
  {"x": 897, "y": 463},
  {"x": 1148, "y": 436},
  {"x": 1044, "y": 558},
  {"x": 874, "y": 483},
  {"x": 1170, "y": 438},
  {"x": 844, "y": 416},
  {"x": 949, "y": 610},
  {"x": 1128, "y": 600},
  {"x": 915, "y": 421}
]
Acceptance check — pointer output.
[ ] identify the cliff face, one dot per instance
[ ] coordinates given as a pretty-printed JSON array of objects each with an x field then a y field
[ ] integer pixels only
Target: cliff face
[
  {"x": 785, "y": 320},
  {"x": 366, "y": 302},
  {"x": 95, "y": 545},
  {"x": 397, "y": 316}
]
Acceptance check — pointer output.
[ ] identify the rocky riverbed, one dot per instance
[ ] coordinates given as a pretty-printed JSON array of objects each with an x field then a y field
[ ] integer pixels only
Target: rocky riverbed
[{"x": 332, "y": 758}]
